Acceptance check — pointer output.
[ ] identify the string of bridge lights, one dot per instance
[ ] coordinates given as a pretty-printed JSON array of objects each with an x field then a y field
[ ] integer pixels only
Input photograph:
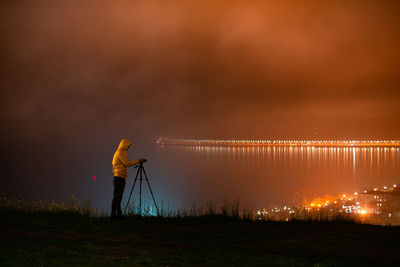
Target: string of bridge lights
[{"x": 210, "y": 142}]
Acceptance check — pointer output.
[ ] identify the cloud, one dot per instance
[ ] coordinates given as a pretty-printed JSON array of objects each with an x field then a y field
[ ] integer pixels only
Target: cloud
[{"x": 178, "y": 66}]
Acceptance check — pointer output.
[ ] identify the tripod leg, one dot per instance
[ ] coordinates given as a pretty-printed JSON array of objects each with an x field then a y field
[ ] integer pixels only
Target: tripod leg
[
  {"x": 140, "y": 192},
  {"x": 131, "y": 191},
  {"x": 151, "y": 191}
]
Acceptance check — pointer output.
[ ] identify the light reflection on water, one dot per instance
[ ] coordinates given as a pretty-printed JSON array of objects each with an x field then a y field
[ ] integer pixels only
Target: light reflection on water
[
  {"x": 353, "y": 160},
  {"x": 266, "y": 175}
]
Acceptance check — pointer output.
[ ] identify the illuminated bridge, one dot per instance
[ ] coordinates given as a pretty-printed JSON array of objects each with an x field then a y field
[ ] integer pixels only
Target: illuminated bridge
[{"x": 321, "y": 143}]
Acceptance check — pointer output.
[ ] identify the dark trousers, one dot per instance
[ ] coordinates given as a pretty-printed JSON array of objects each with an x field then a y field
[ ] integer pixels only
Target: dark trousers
[{"x": 119, "y": 186}]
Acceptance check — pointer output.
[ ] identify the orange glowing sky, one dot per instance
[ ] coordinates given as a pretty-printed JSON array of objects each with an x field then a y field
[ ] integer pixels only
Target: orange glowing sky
[{"x": 219, "y": 68}]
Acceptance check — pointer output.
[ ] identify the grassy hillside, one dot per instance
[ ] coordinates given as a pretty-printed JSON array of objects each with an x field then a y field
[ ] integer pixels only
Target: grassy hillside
[{"x": 67, "y": 238}]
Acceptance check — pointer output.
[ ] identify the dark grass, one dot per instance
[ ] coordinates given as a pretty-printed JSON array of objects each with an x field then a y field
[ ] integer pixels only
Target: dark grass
[{"x": 69, "y": 239}]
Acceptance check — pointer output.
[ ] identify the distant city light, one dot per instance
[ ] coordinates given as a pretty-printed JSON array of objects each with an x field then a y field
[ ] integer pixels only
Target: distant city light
[
  {"x": 362, "y": 212},
  {"x": 377, "y": 207}
]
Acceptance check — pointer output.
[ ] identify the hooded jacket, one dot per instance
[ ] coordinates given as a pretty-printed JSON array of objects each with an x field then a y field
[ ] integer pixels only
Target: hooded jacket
[{"x": 120, "y": 162}]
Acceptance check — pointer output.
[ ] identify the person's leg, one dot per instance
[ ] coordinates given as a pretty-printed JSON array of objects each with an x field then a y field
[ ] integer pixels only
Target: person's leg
[
  {"x": 121, "y": 188},
  {"x": 114, "y": 205}
]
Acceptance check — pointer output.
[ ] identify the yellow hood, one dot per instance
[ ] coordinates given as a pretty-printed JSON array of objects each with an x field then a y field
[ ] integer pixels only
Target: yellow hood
[
  {"x": 120, "y": 162},
  {"x": 124, "y": 144}
]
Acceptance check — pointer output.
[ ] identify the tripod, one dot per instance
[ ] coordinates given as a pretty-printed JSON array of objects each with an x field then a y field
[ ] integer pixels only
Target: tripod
[{"x": 141, "y": 171}]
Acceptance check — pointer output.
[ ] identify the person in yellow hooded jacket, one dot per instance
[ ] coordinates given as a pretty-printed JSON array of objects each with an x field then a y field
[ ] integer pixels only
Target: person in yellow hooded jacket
[{"x": 121, "y": 164}]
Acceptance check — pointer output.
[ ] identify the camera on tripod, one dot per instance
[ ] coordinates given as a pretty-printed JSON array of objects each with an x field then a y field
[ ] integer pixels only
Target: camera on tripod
[
  {"x": 140, "y": 174},
  {"x": 141, "y": 161}
]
